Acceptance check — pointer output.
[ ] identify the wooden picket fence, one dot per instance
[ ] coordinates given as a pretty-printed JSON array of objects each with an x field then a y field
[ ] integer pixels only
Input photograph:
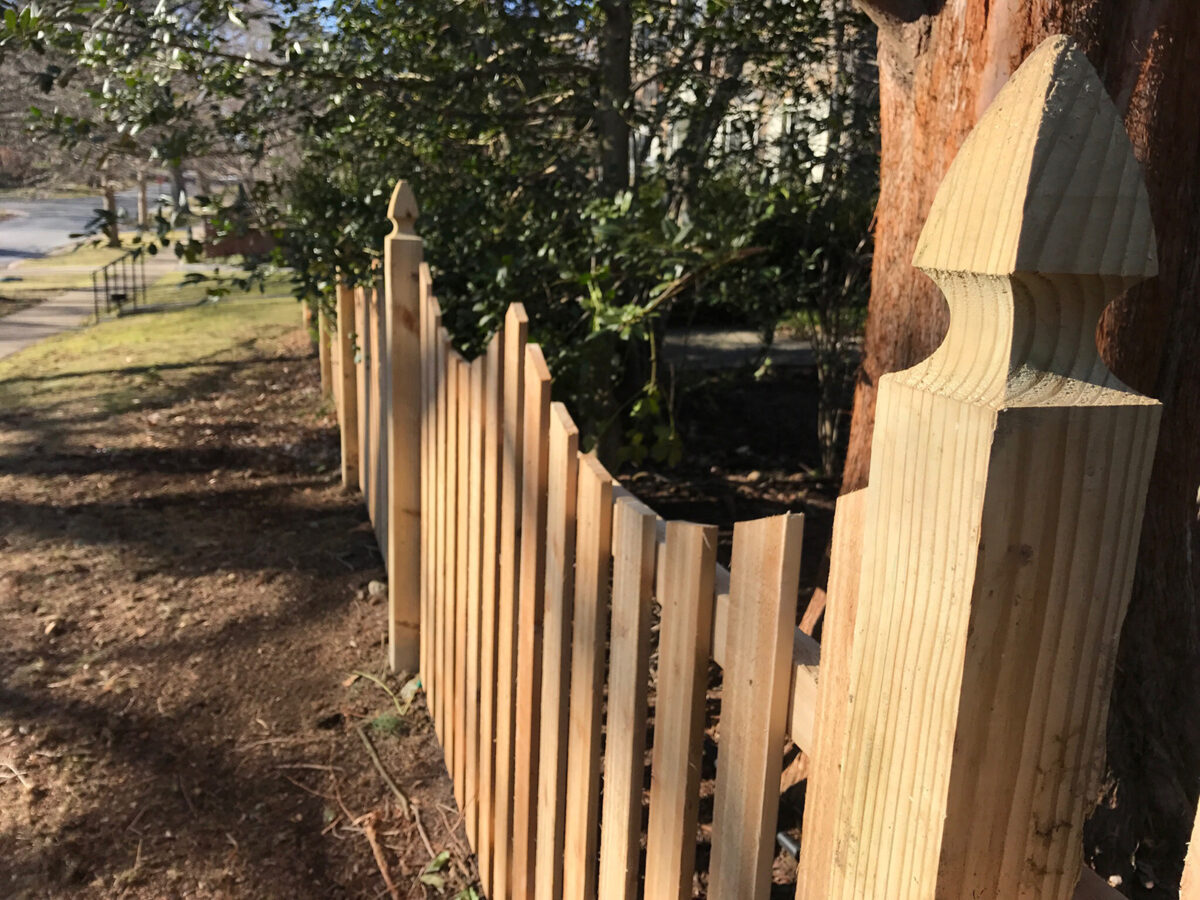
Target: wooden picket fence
[{"x": 976, "y": 591}]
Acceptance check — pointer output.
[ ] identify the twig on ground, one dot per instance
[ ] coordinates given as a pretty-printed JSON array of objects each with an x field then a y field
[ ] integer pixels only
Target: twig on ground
[
  {"x": 380, "y": 859},
  {"x": 416, "y": 817},
  {"x": 307, "y": 789},
  {"x": 17, "y": 775},
  {"x": 401, "y": 710},
  {"x": 133, "y": 822},
  {"x": 315, "y": 766},
  {"x": 186, "y": 798},
  {"x": 400, "y": 798},
  {"x": 452, "y": 830}
]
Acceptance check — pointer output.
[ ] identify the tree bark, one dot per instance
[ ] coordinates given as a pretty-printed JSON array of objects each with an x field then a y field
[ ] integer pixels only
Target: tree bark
[
  {"x": 615, "y": 60},
  {"x": 940, "y": 65}
]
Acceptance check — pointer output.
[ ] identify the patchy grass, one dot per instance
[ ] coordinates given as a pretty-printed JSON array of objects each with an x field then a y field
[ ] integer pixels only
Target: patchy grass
[
  {"x": 45, "y": 193},
  {"x": 146, "y": 360}
]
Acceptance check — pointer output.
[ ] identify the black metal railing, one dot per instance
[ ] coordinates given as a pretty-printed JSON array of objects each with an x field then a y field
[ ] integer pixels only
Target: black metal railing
[{"x": 121, "y": 284}]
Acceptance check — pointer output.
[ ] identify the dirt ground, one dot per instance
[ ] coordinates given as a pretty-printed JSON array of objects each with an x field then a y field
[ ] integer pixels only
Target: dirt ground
[{"x": 184, "y": 600}]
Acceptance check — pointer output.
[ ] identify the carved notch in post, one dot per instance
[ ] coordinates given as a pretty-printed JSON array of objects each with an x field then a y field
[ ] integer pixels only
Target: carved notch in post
[
  {"x": 402, "y": 254},
  {"x": 1005, "y": 503}
]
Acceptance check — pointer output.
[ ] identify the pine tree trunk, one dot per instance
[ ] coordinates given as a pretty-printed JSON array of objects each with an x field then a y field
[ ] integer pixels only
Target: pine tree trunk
[{"x": 939, "y": 67}]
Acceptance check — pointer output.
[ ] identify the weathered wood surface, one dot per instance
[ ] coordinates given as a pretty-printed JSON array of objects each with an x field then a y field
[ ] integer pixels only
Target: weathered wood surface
[
  {"x": 562, "y": 480},
  {"x": 634, "y": 553},
  {"x": 429, "y": 316},
  {"x": 1002, "y": 522},
  {"x": 403, "y": 419},
  {"x": 754, "y": 705},
  {"x": 683, "y": 653}
]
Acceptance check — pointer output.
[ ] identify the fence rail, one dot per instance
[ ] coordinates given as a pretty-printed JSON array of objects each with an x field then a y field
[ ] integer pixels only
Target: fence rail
[{"x": 954, "y": 714}]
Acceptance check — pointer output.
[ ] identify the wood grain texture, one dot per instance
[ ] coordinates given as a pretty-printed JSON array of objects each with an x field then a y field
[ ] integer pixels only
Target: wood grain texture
[
  {"x": 347, "y": 386},
  {"x": 807, "y": 652},
  {"x": 683, "y": 653},
  {"x": 475, "y": 421},
  {"x": 380, "y": 399},
  {"x": 489, "y": 598},
  {"x": 562, "y": 475},
  {"x": 428, "y": 677},
  {"x": 1190, "y": 888},
  {"x": 833, "y": 694},
  {"x": 754, "y": 705},
  {"x": 1002, "y": 522},
  {"x": 516, "y": 327},
  {"x": 362, "y": 363},
  {"x": 461, "y": 586},
  {"x": 450, "y": 564},
  {"x": 325, "y": 353},
  {"x": 593, "y": 560},
  {"x": 402, "y": 378},
  {"x": 441, "y": 431},
  {"x": 634, "y": 555},
  {"x": 529, "y": 620}
]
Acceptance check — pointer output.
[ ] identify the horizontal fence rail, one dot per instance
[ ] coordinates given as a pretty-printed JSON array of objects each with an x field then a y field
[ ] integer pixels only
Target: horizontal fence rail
[{"x": 953, "y": 713}]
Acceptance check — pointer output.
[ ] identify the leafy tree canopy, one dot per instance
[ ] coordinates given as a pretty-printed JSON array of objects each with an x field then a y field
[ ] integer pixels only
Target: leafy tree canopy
[{"x": 607, "y": 163}]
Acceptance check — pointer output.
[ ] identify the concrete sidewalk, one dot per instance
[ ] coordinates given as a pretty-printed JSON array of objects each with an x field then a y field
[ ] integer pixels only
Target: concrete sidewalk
[{"x": 65, "y": 312}]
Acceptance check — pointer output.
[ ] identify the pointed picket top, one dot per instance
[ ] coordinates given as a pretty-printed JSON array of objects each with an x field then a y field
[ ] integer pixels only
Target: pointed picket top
[
  {"x": 1046, "y": 183},
  {"x": 402, "y": 209}
]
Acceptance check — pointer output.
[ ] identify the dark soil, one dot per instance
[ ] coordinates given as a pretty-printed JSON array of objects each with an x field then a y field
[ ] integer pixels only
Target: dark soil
[{"x": 183, "y": 603}]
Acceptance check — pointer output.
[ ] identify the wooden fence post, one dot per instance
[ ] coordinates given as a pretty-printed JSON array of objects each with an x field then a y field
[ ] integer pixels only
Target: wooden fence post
[
  {"x": 402, "y": 252},
  {"x": 589, "y": 635},
  {"x": 765, "y": 575},
  {"x": 1190, "y": 889},
  {"x": 530, "y": 601},
  {"x": 1004, "y": 507},
  {"x": 561, "y": 495},
  {"x": 362, "y": 375},
  {"x": 347, "y": 385},
  {"x": 634, "y": 547},
  {"x": 516, "y": 329},
  {"x": 324, "y": 352},
  {"x": 489, "y": 600},
  {"x": 685, "y": 646}
]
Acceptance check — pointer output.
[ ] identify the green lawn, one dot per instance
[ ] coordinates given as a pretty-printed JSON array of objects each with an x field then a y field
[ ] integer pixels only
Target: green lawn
[{"x": 150, "y": 359}]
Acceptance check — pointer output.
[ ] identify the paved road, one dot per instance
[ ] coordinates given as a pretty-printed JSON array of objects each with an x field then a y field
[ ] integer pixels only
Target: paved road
[{"x": 42, "y": 225}]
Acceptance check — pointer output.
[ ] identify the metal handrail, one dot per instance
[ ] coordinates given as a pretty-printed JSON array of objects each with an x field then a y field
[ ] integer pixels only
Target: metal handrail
[{"x": 121, "y": 283}]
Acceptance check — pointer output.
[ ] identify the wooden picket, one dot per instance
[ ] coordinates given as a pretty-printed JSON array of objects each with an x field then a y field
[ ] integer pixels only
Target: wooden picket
[
  {"x": 975, "y": 593},
  {"x": 562, "y": 477}
]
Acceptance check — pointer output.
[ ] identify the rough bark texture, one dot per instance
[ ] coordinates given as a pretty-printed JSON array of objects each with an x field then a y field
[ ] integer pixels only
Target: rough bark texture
[{"x": 939, "y": 67}]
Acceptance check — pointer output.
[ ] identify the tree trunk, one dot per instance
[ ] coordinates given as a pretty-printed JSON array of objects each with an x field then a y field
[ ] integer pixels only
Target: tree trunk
[
  {"x": 939, "y": 67},
  {"x": 143, "y": 209},
  {"x": 178, "y": 190},
  {"x": 110, "y": 207},
  {"x": 617, "y": 44}
]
